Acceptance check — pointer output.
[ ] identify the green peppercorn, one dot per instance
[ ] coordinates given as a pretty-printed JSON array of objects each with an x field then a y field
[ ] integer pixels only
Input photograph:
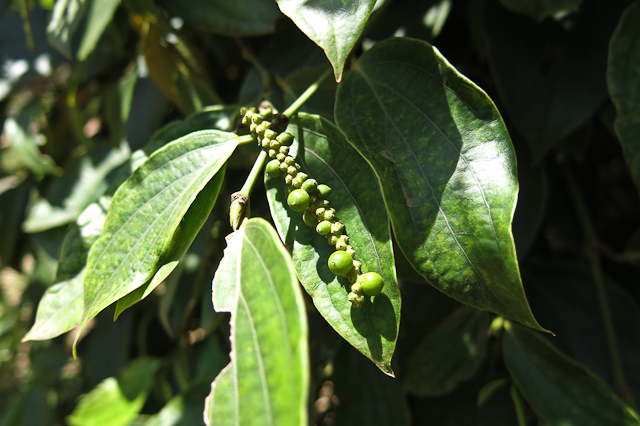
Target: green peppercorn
[
  {"x": 324, "y": 190},
  {"x": 356, "y": 266},
  {"x": 356, "y": 287},
  {"x": 309, "y": 219},
  {"x": 329, "y": 214},
  {"x": 320, "y": 214},
  {"x": 292, "y": 171},
  {"x": 340, "y": 244},
  {"x": 296, "y": 182},
  {"x": 298, "y": 200},
  {"x": 252, "y": 128},
  {"x": 273, "y": 168},
  {"x": 340, "y": 263},
  {"x": 257, "y": 118},
  {"x": 283, "y": 167},
  {"x": 337, "y": 227},
  {"x": 262, "y": 127},
  {"x": 284, "y": 150},
  {"x": 350, "y": 250},
  {"x": 270, "y": 133},
  {"x": 274, "y": 144},
  {"x": 288, "y": 179},
  {"x": 280, "y": 157},
  {"x": 333, "y": 239},
  {"x": 352, "y": 276},
  {"x": 372, "y": 283},
  {"x": 264, "y": 143},
  {"x": 272, "y": 153},
  {"x": 289, "y": 160},
  {"x": 311, "y": 186},
  {"x": 323, "y": 228},
  {"x": 357, "y": 300},
  {"x": 285, "y": 138}
]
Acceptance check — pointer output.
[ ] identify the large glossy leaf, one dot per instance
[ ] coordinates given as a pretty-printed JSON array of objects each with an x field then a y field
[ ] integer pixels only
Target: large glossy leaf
[
  {"x": 448, "y": 355},
  {"x": 624, "y": 85},
  {"x": 116, "y": 402},
  {"x": 367, "y": 397},
  {"x": 100, "y": 14},
  {"x": 266, "y": 382},
  {"x": 549, "y": 74},
  {"x": 447, "y": 169},
  {"x": 234, "y": 18},
  {"x": 60, "y": 308},
  {"x": 560, "y": 390},
  {"x": 145, "y": 214},
  {"x": 333, "y": 27},
  {"x": 541, "y": 9},
  {"x": 66, "y": 16},
  {"x": 67, "y": 196},
  {"x": 327, "y": 157}
]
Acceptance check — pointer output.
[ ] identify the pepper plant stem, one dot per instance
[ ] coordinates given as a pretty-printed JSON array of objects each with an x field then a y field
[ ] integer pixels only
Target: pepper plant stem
[
  {"x": 293, "y": 108},
  {"x": 253, "y": 175},
  {"x": 591, "y": 239}
]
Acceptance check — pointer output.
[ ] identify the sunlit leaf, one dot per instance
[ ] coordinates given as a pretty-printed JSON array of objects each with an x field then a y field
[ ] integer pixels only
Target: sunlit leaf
[
  {"x": 326, "y": 156},
  {"x": 116, "y": 402},
  {"x": 447, "y": 169},
  {"x": 99, "y": 16},
  {"x": 333, "y": 27},
  {"x": 624, "y": 85},
  {"x": 145, "y": 214},
  {"x": 267, "y": 380},
  {"x": 560, "y": 390},
  {"x": 67, "y": 15}
]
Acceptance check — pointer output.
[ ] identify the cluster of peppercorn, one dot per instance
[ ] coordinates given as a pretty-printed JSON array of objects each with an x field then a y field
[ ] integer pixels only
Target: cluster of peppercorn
[{"x": 306, "y": 196}]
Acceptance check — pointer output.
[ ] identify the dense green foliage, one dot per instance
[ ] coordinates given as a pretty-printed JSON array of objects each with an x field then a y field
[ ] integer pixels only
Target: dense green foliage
[{"x": 439, "y": 222}]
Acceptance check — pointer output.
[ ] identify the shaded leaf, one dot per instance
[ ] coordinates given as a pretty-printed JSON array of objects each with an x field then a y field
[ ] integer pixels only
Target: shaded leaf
[
  {"x": 182, "y": 410},
  {"x": 624, "y": 85},
  {"x": 448, "y": 355},
  {"x": 66, "y": 16},
  {"x": 561, "y": 391},
  {"x": 267, "y": 380},
  {"x": 100, "y": 14},
  {"x": 145, "y": 214},
  {"x": 447, "y": 169},
  {"x": 116, "y": 402},
  {"x": 549, "y": 74},
  {"x": 333, "y": 27},
  {"x": 60, "y": 308},
  {"x": 541, "y": 9},
  {"x": 328, "y": 158},
  {"x": 367, "y": 397},
  {"x": 245, "y": 18},
  {"x": 68, "y": 195}
]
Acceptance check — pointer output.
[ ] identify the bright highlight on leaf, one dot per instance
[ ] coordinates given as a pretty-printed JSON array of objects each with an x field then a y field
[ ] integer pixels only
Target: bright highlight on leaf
[
  {"x": 267, "y": 380},
  {"x": 145, "y": 215},
  {"x": 447, "y": 169},
  {"x": 335, "y": 26}
]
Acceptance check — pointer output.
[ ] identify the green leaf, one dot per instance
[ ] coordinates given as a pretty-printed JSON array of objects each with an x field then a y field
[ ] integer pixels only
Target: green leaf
[
  {"x": 541, "y": 9},
  {"x": 447, "y": 169},
  {"x": 622, "y": 78},
  {"x": 328, "y": 158},
  {"x": 367, "y": 397},
  {"x": 244, "y": 18},
  {"x": 67, "y": 196},
  {"x": 333, "y": 27},
  {"x": 185, "y": 234},
  {"x": 100, "y": 14},
  {"x": 182, "y": 410},
  {"x": 549, "y": 75},
  {"x": 323, "y": 100},
  {"x": 267, "y": 380},
  {"x": 561, "y": 391},
  {"x": 60, "y": 308},
  {"x": 145, "y": 214},
  {"x": 116, "y": 402},
  {"x": 448, "y": 355},
  {"x": 67, "y": 15}
]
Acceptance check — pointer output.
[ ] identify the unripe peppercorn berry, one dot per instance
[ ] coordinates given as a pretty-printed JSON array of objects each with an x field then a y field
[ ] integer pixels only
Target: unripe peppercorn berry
[
  {"x": 272, "y": 153},
  {"x": 281, "y": 157},
  {"x": 274, "y": 144},
  {"x": 333, "y": 239},
  {"x": 324, "y": 190},
  {"x": 337, "y": 227},
  {"x": 341, "y": 244},
  {"x": 265, "y": 143},
  {"x": 310, "y": 219},
  {"x": 310, "y": 185},
  {"x": 285, "y": 138},
  {"x": 283, "y": 167},
  {"x": 298, "y": 200},
  {"x": 257, "y": 118},
  {"x": 292, "y": 171},
  {"x": 340, "y": 263},
  {"x": 273, "y": 168},
  {"x": 288, "y": 179},
  {"x": 284, "y": 150},
  {"x": 372, "y": 283},
  {"x": 270, "y": 134},
  {"x": 352, "y": 276},
  {"x": 323, "y": 228},
  {"x": 296, "y": 182},
  {"x": 290, "y": 161}
]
